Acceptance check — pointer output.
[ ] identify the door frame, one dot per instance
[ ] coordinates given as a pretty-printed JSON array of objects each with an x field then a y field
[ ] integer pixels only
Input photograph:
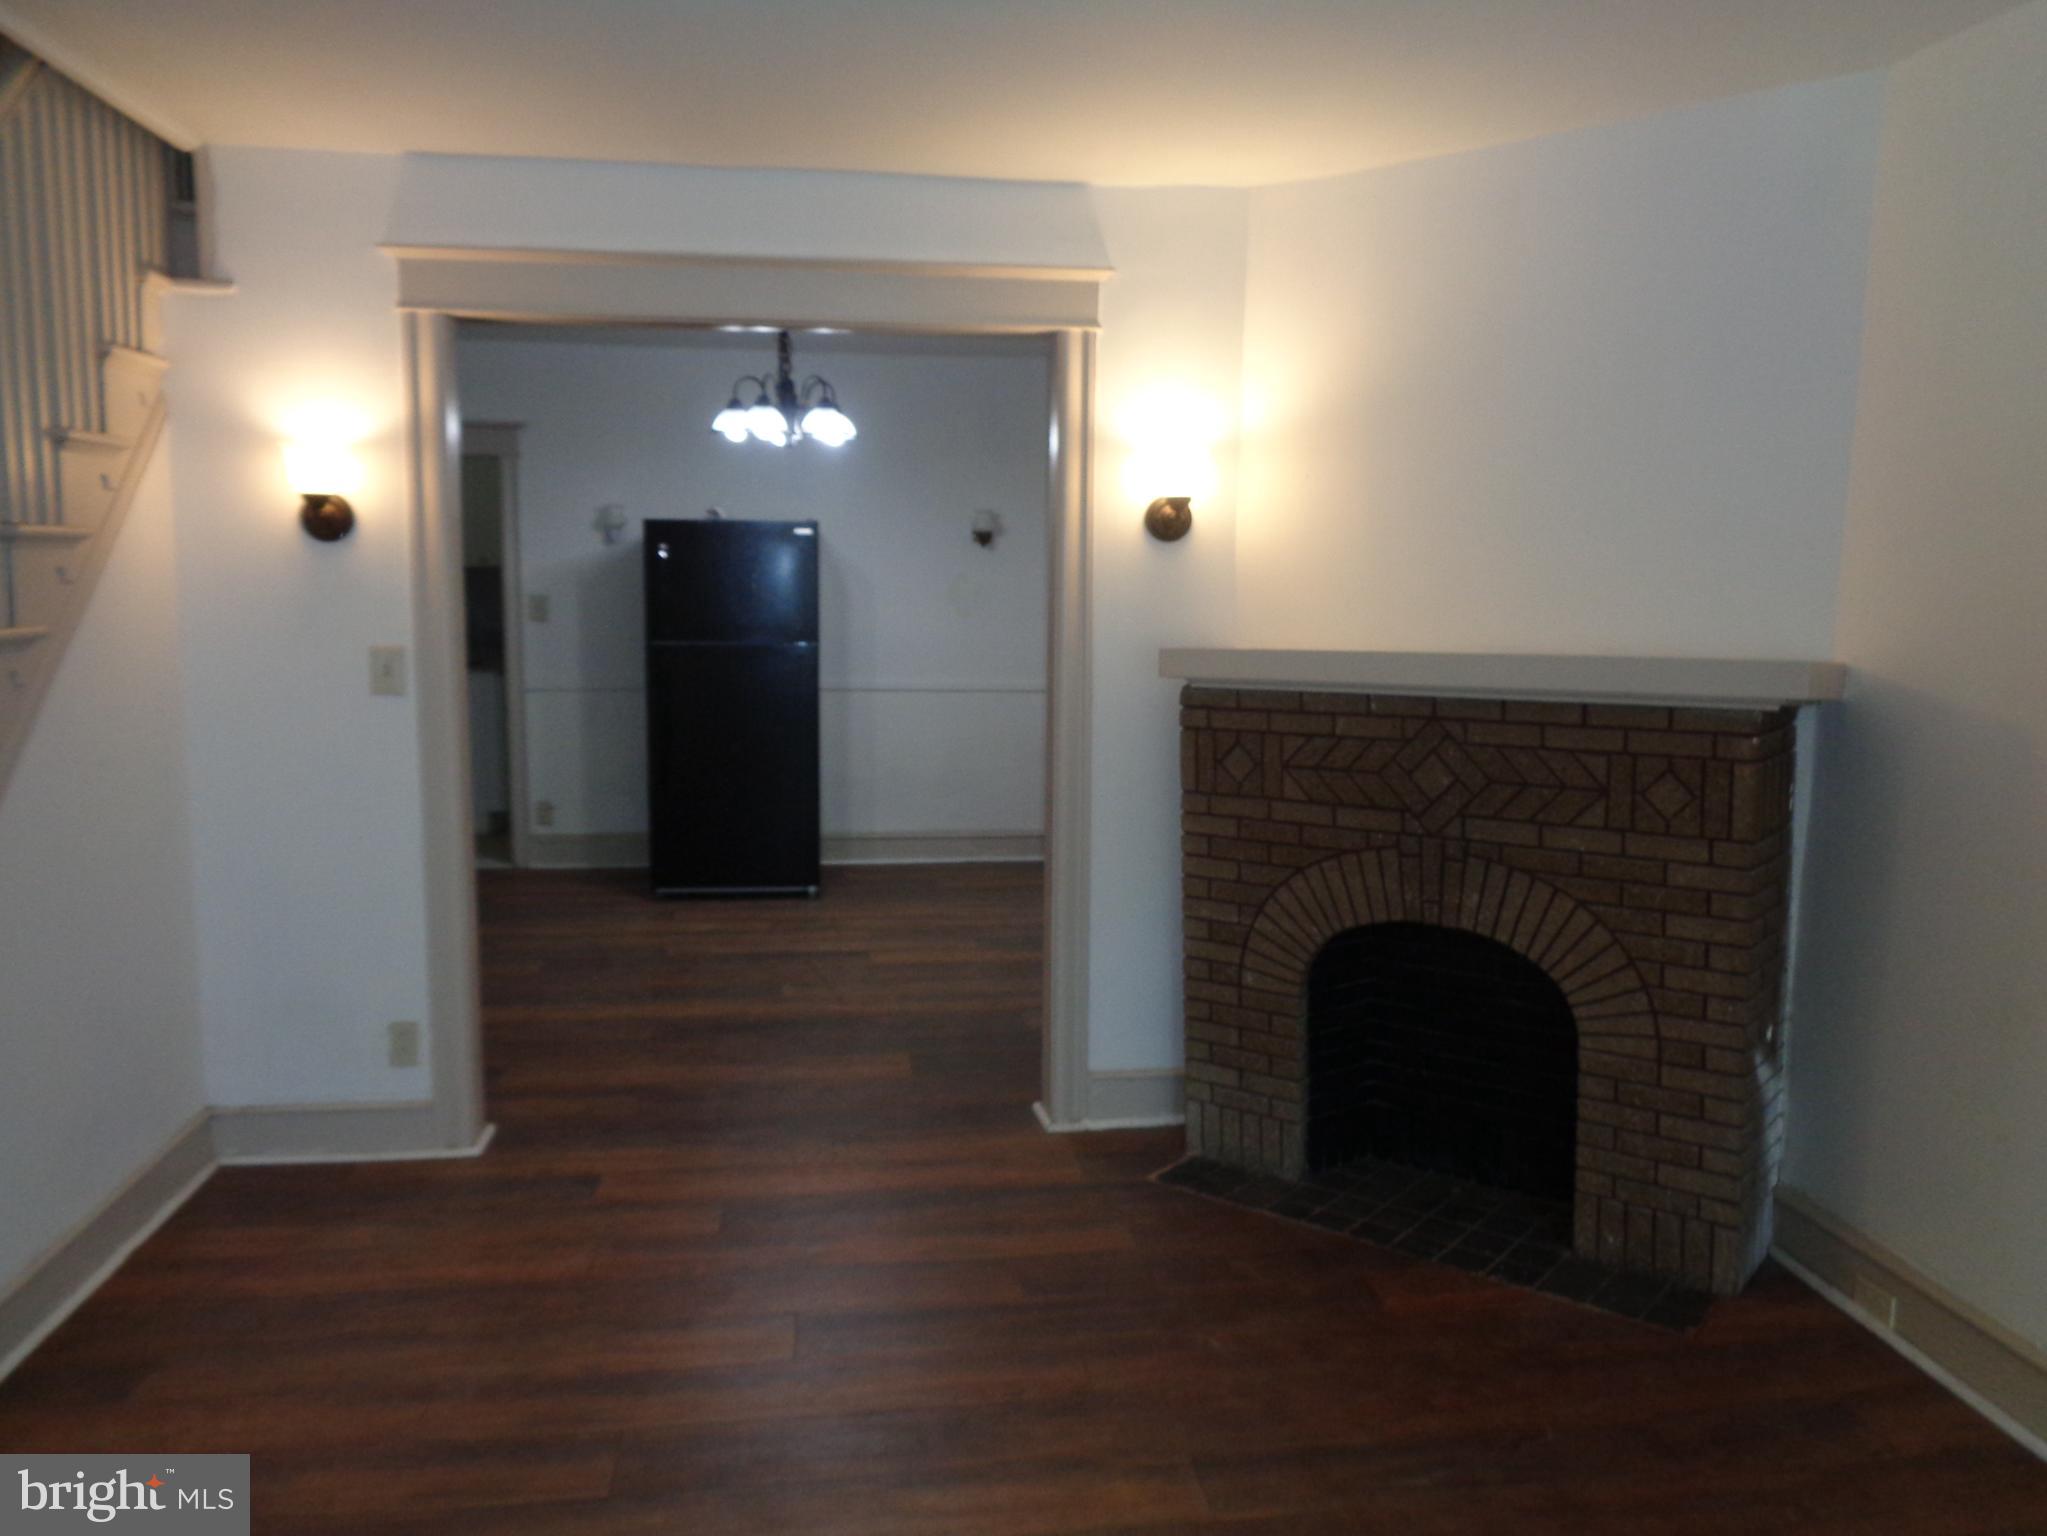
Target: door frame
[
  {"x": 434, "y": 417},
  {"x": 500, "y": 440}
]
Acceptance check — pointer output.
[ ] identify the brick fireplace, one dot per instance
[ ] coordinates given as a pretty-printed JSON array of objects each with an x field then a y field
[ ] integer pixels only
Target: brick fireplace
[{"x": 1635, "y": 855}]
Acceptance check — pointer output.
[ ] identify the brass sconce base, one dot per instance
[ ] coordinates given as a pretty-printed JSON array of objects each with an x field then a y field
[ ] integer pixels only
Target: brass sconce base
[
  {"x": 1169, "y": 518},
  {"x": 326, "y": 518}
]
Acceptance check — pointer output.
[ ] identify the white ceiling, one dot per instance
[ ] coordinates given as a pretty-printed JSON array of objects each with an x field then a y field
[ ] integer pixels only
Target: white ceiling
[{"x": 1214, "y": 92}]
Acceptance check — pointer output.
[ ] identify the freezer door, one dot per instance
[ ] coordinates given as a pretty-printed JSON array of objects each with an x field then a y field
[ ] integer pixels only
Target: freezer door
[
  {"x": 733, "y": 767},
  {"x": 731, "y": 581}
]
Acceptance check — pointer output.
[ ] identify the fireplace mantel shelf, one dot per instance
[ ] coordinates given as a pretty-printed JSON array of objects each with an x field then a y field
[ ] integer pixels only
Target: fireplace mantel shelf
[{"x": 1701, "y": 682}]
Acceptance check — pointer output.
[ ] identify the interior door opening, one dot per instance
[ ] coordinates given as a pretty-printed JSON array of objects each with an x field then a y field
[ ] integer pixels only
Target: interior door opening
[
  {"x": 491, "y": 636},
  {"x": 1064, "y": 404}
]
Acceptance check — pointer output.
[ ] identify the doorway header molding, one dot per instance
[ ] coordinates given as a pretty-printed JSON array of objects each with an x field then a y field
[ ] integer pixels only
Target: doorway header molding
[{"x": 623, "y": 287}]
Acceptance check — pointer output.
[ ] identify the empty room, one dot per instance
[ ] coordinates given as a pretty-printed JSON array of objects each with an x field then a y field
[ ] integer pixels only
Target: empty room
[{"x": 1023, "y": 769}]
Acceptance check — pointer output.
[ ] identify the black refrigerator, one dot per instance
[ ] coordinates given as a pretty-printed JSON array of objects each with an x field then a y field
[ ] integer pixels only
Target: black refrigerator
[{"x": 732, "y": 754}]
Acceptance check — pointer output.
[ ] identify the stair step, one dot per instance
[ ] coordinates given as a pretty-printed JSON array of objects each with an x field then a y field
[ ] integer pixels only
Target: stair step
[
  {"x": 103, "y": 440},
  {"x": 16, "y": 657},
  {"x": 88, "y": 478},
  {"x": 46, "y": 575},
  {"x": 195, "y": 287},
  {"x": 134, "y": 357},
  {"x": 37, "y": 533},
  {"x": 157, "y": 286},
  {"x": 130, "y": 381}
]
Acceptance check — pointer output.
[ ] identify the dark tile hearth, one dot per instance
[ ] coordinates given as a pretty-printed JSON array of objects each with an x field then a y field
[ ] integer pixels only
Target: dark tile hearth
[{"x": 1522, "y": 1240}]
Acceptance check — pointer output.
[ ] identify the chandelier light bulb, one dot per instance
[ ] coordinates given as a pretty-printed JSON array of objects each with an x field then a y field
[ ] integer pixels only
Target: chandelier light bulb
[
  {"x": 730, "y": 423},
  {"x": 829, "y": 425},
  {"x": 768, "y": 425}
]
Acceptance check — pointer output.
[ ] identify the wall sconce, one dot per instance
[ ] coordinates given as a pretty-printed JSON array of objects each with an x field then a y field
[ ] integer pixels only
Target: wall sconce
[
  {"x": 1169, "y": 517},
  {"x": 987, "y": 525},
  {"x": 323, "y": 474},
  {"x": 1169, "y": 433}
]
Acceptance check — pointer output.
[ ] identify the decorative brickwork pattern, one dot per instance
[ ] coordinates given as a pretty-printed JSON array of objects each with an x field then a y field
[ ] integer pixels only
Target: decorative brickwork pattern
[{"x": 1638, "y": 855}]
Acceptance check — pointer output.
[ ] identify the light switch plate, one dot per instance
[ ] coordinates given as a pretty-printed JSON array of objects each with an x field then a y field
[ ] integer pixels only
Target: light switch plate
[
  {"x": 536, "y": 607},
  {"x": 387, "y": 670},
  {"x": 404, "y": 1043}
]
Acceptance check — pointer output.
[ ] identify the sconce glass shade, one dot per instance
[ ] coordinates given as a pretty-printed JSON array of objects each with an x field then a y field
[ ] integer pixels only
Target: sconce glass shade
[
  {"x": 325, "y": 474},
  {"x": 1168, "y": 434},
  {"x": 321, "y": 469},
  {"x": 829, "y": 425},
  {"x": 731, "y": 423}
]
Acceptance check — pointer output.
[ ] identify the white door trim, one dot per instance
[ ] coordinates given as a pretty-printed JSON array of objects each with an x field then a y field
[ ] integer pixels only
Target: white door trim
[
  {"x": 441, "y": 685},
  {"x": 1068, "y": 737},
  {"x": 596, "y": 286},
  {"x": 455, "y": 1029}
]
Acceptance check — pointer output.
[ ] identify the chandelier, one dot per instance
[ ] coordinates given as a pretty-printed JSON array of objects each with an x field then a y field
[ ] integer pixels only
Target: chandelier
[{"x": 783, "y": 411}]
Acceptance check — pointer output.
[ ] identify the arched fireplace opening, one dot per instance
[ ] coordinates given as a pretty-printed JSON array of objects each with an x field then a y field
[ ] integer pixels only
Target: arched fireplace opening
[{"x": 1445, "y": 1050}]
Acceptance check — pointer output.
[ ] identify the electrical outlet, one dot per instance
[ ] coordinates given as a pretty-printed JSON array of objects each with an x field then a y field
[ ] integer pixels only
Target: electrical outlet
[
  {"x": 1873, "y": 1299},
  {"x": 536, "y": 607},
  {"x": 387, "y": 670},
  {"x": 543, "y": 813},
  {"x": 404, "y": 1042}
]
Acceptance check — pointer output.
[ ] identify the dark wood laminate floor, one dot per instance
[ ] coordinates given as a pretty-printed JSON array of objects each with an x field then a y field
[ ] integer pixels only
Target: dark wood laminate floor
[{"x": 769, "y": 1242}]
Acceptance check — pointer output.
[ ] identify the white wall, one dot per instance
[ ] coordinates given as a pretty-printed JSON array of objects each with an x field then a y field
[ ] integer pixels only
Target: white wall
[
  {"x": 305, "y": 789},
  {"x": 1919, "y": 1056},
  {"x": 99, "y": 1012},
  {"x": 1565, "y": 395},
  {"x": 306, "y": 806},
  {"x": 1171, "y": 339},
  {"x": 1590, "y": 393},
  {"x": 933, "y": 647}
]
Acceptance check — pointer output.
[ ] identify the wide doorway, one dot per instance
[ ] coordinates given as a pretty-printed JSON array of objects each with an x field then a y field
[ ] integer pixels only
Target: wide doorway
[{"x": 928, "y": 533}]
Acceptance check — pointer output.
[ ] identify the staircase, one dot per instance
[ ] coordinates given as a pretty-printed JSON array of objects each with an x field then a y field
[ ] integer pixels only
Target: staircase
[
  {"x": 92, "y": 206},
  {"x": 51, "y": 564}
]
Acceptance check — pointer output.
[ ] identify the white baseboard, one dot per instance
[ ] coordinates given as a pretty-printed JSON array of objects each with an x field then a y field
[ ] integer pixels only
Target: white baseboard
[
  {"x": 77, "y": 1265},
  {"x": 935, "y": 848},
  {"x": 335, "y": 1133},
  {"x": 1125, "y": 1101},
  {"x": 628, "y": 850},
  {"x": 1993, "y": 1370},
  {"x": 59, "y": 1282}
]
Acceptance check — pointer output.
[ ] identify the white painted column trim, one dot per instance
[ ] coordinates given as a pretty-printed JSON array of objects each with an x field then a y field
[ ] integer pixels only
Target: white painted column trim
[
  {"x": 1069, "y": 736},
  {"x": 440, "y": 685}
]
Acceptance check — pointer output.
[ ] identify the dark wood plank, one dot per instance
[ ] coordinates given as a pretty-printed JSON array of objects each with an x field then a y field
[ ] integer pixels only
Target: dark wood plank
[{"x": 769, "y": 1241}]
